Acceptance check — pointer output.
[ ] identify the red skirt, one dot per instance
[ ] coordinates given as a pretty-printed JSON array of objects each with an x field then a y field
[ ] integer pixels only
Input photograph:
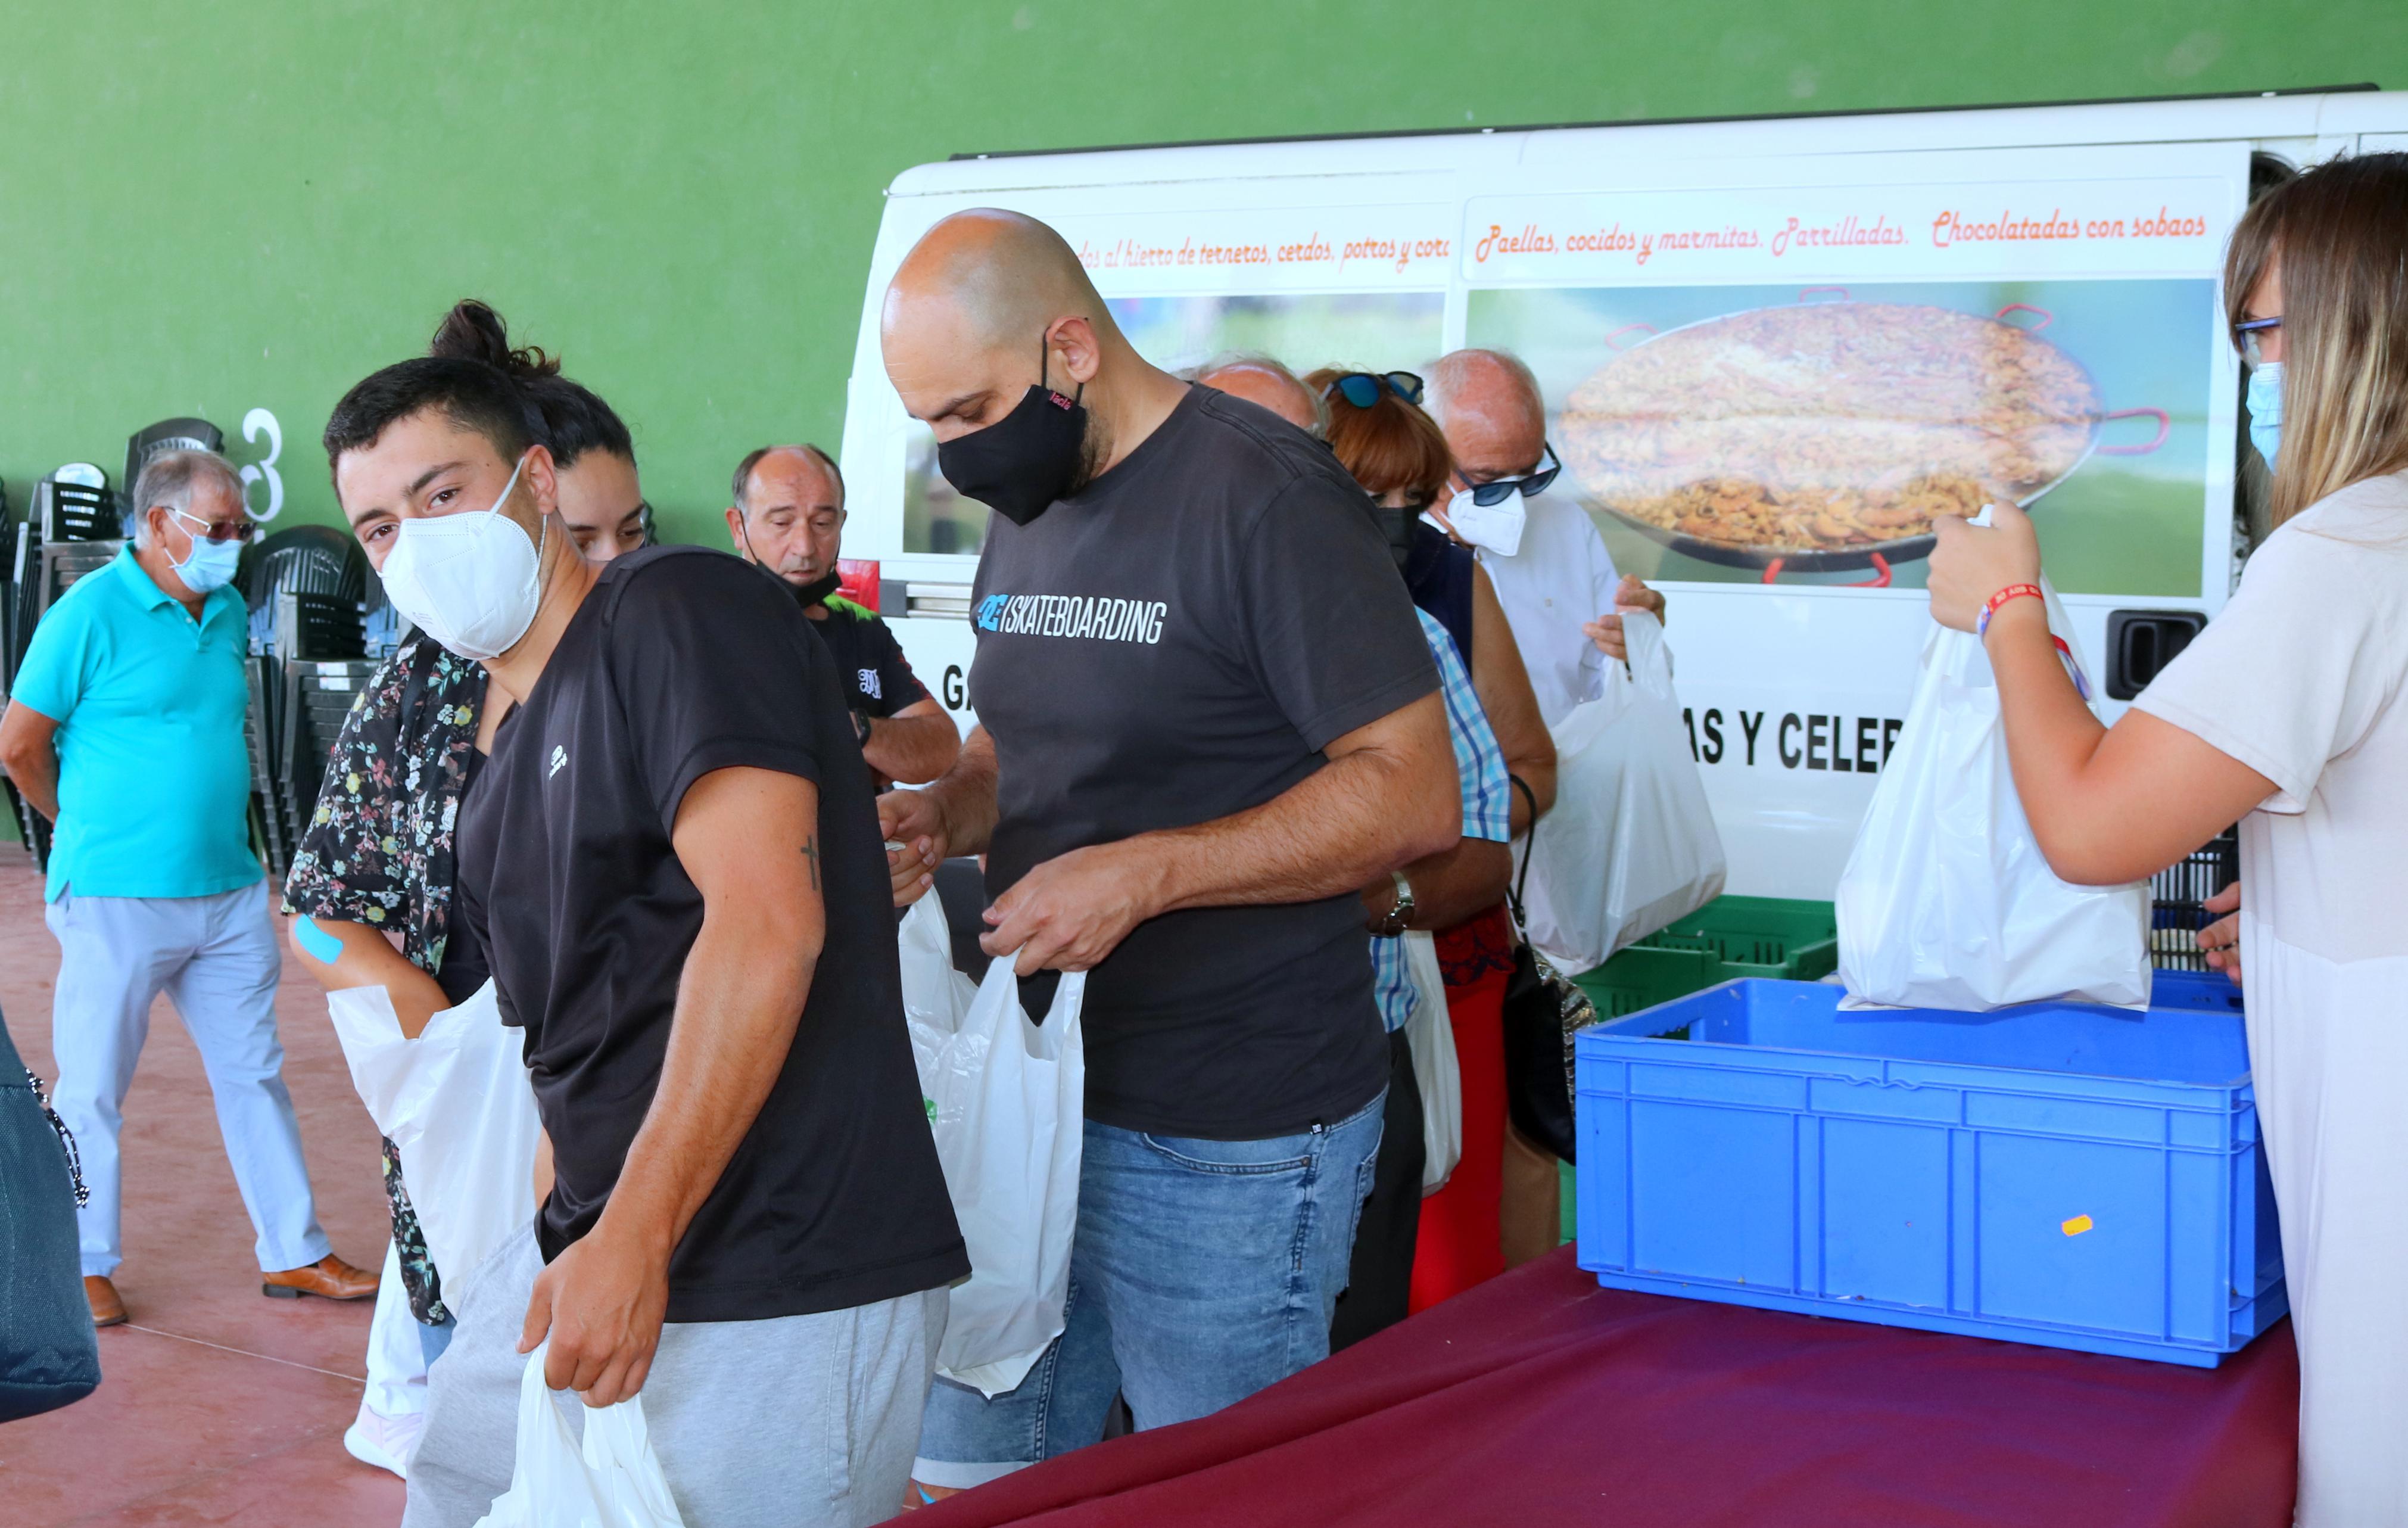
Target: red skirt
[{"x": 1458, "y": 1244}]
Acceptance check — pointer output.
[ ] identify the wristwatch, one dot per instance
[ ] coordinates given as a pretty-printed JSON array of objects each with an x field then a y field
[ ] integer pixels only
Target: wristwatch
[
  {"x": 860, "y": 726},
  {"x": 1402, "y": 914}
]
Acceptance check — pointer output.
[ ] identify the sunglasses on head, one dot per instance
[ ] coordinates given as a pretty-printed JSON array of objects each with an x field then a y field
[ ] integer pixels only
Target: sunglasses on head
[
  {"x": 1530, "y": 485},
  {"x": 1362, "y": 388}
]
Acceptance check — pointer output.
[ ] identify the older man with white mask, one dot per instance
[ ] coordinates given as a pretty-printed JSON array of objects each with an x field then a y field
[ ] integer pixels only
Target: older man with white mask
[
  {"x": 125, "y": 730},
  {"x": 1563, "y": 599},
  {"x": 1561, "y": 592}
]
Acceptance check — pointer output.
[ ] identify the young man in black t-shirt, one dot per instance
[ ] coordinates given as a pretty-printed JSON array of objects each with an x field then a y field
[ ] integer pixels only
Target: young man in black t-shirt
[
  {"x": 1208, "y": 718},
  {"x": 677, "y": 880},
  {"x": 789, "y": 517}
]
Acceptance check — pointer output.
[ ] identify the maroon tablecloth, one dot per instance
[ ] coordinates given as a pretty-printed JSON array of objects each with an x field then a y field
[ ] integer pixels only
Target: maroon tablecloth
[{"x": 1540, "y": 1399}]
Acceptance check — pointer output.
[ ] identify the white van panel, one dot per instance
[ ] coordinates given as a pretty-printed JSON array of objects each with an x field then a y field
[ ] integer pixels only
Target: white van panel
[{"x": 1533, "y": 240}]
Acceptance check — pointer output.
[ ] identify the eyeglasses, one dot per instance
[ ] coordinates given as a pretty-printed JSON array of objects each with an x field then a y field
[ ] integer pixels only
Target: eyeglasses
[
  {"x": 2247, "y": 336},
  {"x": 236, "y": 530},
  {"x": 1362, "y": 388},
  {"x": 1530, "y": 485}
]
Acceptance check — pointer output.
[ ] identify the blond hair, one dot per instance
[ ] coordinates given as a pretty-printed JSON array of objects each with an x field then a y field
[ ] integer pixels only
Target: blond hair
[{"x": 2340, "y": 232}]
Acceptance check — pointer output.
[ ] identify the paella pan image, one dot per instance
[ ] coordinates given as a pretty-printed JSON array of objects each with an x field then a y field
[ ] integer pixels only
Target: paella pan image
[{"x": 1823, "y": 435}]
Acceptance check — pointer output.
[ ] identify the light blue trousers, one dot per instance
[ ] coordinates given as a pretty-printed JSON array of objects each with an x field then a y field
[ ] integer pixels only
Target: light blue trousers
[{"x": 217, "y": 960}]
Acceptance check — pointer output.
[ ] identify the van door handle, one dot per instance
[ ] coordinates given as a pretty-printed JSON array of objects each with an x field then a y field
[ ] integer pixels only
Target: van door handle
[{"x": 2140, "y": 645}]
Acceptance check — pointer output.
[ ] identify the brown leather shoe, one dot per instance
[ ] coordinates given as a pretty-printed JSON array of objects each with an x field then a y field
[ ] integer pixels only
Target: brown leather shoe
[
  {"x": 329, "y": 1278},
  {"x": 107, "y": 1308}
]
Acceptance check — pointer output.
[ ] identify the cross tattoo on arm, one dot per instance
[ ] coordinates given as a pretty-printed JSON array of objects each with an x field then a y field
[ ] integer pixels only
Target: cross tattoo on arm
[{"x": 811, "y": 854}]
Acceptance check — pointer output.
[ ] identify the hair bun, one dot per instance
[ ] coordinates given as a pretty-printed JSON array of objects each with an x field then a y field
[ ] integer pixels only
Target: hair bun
[{"x": 472, "y": 331}]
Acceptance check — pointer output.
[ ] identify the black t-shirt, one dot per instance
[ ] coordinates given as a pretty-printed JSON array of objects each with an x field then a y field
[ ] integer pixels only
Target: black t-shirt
[
  {"x": 1173, "y": 644},
  {"x": 869, "y": 662},
  {"x": 464, "y": 968},
  {"x": 835, "y": 1197}
]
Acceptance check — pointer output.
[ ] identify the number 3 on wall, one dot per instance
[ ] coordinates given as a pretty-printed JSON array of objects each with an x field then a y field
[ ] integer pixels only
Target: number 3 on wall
[{"x": 255, "y": 424}]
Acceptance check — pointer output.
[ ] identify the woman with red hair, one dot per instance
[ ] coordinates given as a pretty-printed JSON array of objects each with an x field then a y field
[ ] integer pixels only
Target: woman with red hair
[{"x": 1395, "y": 452}]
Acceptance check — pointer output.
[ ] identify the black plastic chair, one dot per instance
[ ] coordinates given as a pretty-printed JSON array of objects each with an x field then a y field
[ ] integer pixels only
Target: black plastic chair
[
  {"x": 73, "y": 512},
  {"x": 167, "y": 435},
  {"x": 306, "y": 559}
]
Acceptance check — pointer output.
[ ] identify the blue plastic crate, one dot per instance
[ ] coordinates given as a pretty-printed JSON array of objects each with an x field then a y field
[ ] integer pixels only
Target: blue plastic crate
[{"x": 2056, "y": 1173}]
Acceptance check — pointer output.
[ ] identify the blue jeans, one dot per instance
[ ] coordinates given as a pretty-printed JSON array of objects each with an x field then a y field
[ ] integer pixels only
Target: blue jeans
[{"x": 1203, "y": 1271}]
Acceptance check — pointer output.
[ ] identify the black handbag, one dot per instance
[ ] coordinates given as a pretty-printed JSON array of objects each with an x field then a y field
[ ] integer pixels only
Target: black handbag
[
  {"x": 49, "y": 1357},
  {"x": 1543, "y": 1011}
]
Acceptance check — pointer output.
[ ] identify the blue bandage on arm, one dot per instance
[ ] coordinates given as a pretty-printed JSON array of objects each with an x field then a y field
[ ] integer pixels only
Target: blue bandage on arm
[{"x": 315, "y": 942}]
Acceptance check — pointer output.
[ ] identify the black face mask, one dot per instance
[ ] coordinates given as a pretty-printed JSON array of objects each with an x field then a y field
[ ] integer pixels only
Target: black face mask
[
  {"x": 818, "y": 589},
  {"x": 1022, "y": 463},
  {"x": 1396, "y": 526}
]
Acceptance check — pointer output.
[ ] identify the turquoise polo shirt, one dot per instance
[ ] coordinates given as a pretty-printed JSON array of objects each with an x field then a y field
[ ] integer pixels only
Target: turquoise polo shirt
[{"x": 154, "y": 778}]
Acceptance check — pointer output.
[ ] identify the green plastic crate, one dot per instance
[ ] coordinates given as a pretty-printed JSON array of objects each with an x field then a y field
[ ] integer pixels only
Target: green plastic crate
[
  {"x": 1755, "y": 937},
  {"x": 1642, "y": 977}
]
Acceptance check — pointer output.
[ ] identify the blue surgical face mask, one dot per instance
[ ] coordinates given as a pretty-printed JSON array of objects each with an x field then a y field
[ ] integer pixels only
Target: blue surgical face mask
[
  {"x": 210, "y": 565},
  {"x": 2266, "y": 409}
]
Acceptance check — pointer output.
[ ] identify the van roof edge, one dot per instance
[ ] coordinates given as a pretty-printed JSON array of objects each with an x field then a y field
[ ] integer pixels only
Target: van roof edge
[{"x": 2362, "y": 87}]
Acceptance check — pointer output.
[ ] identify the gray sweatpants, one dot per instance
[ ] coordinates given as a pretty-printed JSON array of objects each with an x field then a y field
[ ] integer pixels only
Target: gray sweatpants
[{"x": 796, "y": 1423}]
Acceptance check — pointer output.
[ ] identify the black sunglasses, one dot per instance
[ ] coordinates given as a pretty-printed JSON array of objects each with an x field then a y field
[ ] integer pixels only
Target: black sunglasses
[
  {"x": 1362, "y": 388},
  {"x": 1530, "y": 483}
]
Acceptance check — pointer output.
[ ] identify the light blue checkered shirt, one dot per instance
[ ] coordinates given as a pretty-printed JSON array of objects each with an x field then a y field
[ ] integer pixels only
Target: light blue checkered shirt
[{"x": 1487, "y": 805}]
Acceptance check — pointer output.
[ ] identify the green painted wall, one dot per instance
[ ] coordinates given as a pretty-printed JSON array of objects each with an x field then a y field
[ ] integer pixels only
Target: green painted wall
[{"x": 215, "y": 208}]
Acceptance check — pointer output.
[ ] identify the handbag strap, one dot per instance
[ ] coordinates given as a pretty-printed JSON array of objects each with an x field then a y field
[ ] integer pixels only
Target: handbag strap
[
  {"x": 1521, "y": 878},
  {"x": 66, "y": 1137}
]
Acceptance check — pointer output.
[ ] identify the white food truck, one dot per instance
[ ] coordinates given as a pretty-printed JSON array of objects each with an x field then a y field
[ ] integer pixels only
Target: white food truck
[{"x": 1879, "y": 264}]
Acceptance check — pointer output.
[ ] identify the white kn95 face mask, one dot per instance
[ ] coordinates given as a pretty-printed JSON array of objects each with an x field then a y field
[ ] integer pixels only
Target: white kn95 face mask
[
  {"x": 471, "y": 581},
  {"x": 1492, "y": 527}
]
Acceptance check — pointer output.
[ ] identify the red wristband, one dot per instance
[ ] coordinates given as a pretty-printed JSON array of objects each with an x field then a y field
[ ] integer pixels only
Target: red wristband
[{"x": 2012, "y": 591}]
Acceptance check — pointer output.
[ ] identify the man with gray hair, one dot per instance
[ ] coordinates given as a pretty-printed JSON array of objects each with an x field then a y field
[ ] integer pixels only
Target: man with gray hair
[
  {"x": 1263, "y": 380},
  {"x": 788, "y": 516},
  {"x": 1557, "y": 582},
  {"x": 125, "y": 730},
  {"x": 1563, "y": 599}
]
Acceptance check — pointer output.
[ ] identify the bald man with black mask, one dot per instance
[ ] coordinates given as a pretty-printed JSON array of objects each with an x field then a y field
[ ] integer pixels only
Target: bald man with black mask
[{"x": 1207, "y": 719}]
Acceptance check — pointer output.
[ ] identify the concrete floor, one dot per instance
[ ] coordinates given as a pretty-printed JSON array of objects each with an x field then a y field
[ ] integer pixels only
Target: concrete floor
[{"x": 216, "y": 1404}]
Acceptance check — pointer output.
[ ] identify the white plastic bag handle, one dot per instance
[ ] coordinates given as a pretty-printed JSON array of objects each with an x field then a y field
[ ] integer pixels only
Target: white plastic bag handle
[
  {"x": 626, "y": 1476},
  {"x": 612, "y": 1481},
  {"x": 1650, "y": 659}
]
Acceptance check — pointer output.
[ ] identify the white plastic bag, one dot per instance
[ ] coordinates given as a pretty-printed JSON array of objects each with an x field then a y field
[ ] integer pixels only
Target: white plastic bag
[
  {"x": 612, "y": 1481},
  {"x": 1007, "y": 1101},
  {"x": 1430, "y": 1036},
  {"x": 1630, "y": 844},
  {"x": 456, "y": 1103},
  {"x": 1947, "y": 901}
]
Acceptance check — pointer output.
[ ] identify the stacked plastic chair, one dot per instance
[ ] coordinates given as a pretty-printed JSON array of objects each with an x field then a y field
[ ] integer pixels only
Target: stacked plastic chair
[
  {"x": 168, "y": 435},
  {"x": 71, "y": 529},
  {"x": 308, "y": 589}
]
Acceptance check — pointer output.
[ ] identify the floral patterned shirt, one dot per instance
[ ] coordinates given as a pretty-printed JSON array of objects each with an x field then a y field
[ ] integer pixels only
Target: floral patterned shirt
[{"x": 378, "y": 851}]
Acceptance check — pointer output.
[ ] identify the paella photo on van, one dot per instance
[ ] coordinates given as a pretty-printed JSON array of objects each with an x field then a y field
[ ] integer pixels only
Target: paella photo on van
[{"x": 1787, "y": 436}]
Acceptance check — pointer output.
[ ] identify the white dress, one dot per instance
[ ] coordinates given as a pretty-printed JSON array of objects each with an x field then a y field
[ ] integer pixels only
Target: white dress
[
  {"x": 1560, "y": 578},
  {"x": 2300, "y": 678}
]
